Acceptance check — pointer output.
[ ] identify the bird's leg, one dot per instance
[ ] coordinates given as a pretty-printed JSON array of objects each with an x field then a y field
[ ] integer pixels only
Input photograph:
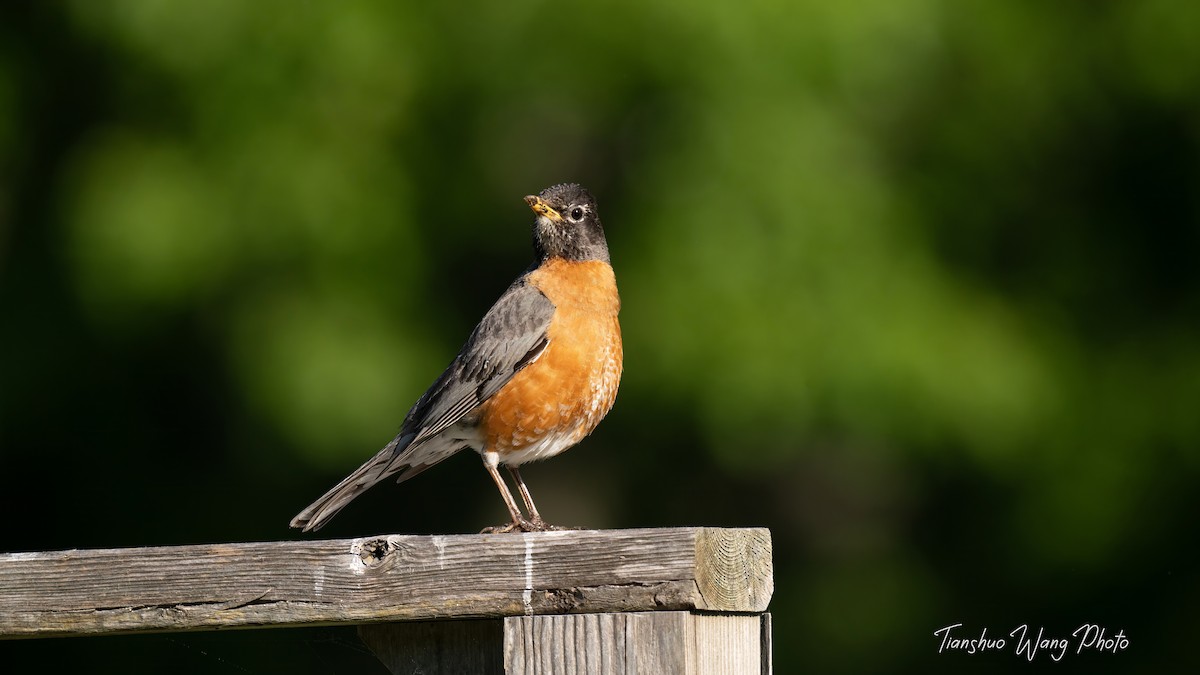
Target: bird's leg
[
  {"x": 519, "y": 522},
  {"x": 535, "y": 518}
]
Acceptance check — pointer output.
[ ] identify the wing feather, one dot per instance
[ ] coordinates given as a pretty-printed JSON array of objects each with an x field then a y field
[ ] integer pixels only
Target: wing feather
[{"x": 511, "y": 336}]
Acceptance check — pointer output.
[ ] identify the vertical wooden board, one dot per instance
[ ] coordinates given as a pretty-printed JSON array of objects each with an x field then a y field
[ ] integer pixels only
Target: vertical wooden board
[
  {"x": 517, "y": 643},
  {"x": 615, "y": 653},
  {"x": 527, "y": 663},
  {"x": 593, "y": 645},
  {"x": 726, "y": 644},
  {"x": 438, "y": 647},
  {"x": 607, "y": 635},
  {"x": 657, "y": 643},
  {"x": 768, "y": 666},
  {"x": 550, "y": 644},
  {"x": 570, "y": 644}
]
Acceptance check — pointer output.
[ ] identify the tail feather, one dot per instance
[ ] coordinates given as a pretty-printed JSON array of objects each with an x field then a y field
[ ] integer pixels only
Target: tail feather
[{"x": 387, "y": 462}]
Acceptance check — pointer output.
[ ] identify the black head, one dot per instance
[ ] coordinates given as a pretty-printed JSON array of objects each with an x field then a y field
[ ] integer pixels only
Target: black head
[{"x": 567, "y": 225}]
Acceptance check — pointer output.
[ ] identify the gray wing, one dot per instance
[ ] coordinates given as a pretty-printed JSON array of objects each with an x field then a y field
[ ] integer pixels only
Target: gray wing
[{"x": 511, "y": 336}]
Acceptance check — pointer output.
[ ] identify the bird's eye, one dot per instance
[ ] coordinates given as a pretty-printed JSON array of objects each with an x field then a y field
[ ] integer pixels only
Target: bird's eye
[{"x": 577, "y": 214}]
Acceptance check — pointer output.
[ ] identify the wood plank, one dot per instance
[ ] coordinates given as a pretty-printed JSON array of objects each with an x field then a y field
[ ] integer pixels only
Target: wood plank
[
  {"x": 635, "y": 643},
  {"x": 768, "y": 646},
  {"x": 725, "y": 644},
  {"x": 384, "y": 578},
  {"x": 659, "y": 643}
]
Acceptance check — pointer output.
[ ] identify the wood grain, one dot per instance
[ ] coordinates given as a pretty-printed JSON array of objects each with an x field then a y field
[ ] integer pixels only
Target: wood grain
[
  {"x": 384, "y": 578},
  {"x": 645, "y": 643}
]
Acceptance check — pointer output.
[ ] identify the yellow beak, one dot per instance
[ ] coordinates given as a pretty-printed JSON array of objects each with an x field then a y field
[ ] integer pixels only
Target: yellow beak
[{"x": 542, "y": 208}]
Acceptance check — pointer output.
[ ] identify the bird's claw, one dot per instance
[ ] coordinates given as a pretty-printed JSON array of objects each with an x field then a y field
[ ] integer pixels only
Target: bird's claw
[{"x": 522, "y": 525}]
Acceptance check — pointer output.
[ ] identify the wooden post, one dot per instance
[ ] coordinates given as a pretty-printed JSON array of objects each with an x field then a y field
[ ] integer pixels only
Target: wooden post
[{"x": 679, "y": 600}]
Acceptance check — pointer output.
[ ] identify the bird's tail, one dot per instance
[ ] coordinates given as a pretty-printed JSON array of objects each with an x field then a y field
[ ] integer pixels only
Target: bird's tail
[{"x": 385, "y": 463}]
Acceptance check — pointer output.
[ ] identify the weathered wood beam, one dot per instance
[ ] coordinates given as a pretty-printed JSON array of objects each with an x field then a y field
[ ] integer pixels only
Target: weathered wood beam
[{"x": 384, "y": 578}]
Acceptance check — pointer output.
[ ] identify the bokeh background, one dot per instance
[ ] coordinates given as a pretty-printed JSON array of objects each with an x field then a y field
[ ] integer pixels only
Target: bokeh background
[{"x": 912, "y": 283}]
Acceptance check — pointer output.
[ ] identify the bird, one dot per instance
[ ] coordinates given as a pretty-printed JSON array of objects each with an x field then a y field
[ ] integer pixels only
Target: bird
[{"x": 536, "y": 375}]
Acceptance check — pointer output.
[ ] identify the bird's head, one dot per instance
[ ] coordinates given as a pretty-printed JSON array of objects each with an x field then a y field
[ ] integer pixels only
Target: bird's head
[{"x": 567, "y": 224}]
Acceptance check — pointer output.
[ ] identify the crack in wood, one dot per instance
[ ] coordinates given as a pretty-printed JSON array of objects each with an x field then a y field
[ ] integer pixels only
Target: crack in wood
[{"x": 179, "y": 608}]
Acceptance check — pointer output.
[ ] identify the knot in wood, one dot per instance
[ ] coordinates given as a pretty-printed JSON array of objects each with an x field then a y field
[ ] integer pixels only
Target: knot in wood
[{"x": 372, "y": 552}]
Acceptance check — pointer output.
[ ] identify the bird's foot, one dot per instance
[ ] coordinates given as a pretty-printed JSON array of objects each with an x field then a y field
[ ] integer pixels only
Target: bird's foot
[
  {"x": 523, "y": 525},
  {"x": 540, "y": 525},
  {"x": 501, "y": 529}
]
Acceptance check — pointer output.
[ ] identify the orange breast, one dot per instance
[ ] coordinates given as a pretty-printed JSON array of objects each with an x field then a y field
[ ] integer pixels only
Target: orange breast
[{"x": 558, "y": 399}]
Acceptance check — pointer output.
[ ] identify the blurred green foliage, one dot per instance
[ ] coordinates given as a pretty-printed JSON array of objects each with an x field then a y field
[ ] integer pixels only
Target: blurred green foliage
[{"x": 912, "y": 283}]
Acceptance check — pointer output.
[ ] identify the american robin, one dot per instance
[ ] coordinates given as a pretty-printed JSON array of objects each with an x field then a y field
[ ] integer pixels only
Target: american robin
[{"x": 538, "y": 373}]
